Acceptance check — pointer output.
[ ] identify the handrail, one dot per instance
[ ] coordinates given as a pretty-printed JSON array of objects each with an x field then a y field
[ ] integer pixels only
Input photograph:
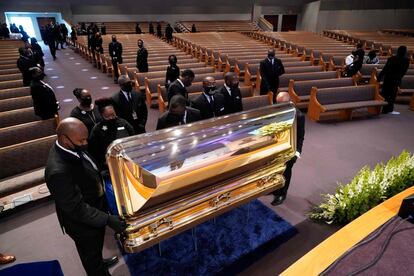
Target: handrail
[{"x": 265, "y": 25}]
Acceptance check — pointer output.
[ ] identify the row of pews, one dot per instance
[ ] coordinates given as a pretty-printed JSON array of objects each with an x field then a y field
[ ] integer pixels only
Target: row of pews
[
  {"x": 220, "y": 26},
  {"x": 128, "y": 27},
  {"x": 25, "y": 139},
  {"x": 330, "y": 53},
  {"x": 152, "y": 83},
  {"x": 386, "y": 43}
]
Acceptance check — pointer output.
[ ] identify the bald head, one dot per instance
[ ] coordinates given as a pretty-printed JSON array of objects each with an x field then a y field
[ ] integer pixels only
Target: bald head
[
  {"x": 282, "y": 97},
  {"x": 231, "y": 80},
  {"x": 72, "y": 132},
  {"x": 123, "y": 79},
  {"x": 209, "y": 85}
]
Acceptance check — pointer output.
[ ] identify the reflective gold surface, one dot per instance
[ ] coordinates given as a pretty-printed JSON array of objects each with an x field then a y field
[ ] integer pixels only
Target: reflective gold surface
[{"x": 170, "y": 180}]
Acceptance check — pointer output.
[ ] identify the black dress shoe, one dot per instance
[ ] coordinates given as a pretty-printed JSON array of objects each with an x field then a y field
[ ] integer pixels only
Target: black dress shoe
[
  {"x": 278, "y": 200},
  {"x": 110, "y": 261}
]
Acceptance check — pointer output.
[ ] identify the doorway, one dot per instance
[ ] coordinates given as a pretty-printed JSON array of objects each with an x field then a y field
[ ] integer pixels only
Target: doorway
[
  {"x": 274, "y": 20},
  {"x": 289, "y": 22},
  {"x": 25, "y": 22}
]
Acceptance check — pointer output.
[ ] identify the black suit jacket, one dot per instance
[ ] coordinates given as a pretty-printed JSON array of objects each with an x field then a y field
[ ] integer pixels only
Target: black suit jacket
[
  {"x": 77, "y": 190},
  {"x": 208, "y": 110},
  {"x": 233, "y": 103},
  {"x": 44, "y": 100},
  {"x": 300, "y": 130},
  {"x": 24, "y": 64},
  {"x": 115, "y": 51},
  {"x": 124, "y": 109},
  {"x": 176, "y": 88},
  {"x": 394, "y": 70},
  {"x": 270, "y": 75},
  {"x": 142, "y": 60},
  {"x": 166, "y": 121},
  {"x": 173, "y": 73}
]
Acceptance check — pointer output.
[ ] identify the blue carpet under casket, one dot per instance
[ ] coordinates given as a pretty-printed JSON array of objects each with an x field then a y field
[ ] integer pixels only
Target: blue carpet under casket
[{"x": 220, "y": 243}]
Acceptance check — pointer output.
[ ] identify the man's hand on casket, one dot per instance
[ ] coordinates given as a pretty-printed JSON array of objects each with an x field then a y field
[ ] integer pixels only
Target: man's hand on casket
[{"x": 117, "y": 223}]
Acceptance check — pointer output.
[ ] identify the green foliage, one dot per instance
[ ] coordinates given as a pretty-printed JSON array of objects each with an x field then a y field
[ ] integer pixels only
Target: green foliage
[{"x": 368, "y": 189}]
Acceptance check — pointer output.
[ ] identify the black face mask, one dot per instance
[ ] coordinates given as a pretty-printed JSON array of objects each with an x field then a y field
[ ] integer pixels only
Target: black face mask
[
  {"x": 140, "y": 45},
  {"x": 127, "y": 87},
  {"x": 78, "y": 148},
  {"x": 113, "y": 39},
  {"x": 86, "y": 102},
  {"x": 234, "y": 85},
  {"x": 210, "y": 90},
  {"x": 111, "y": 122},
  {"x": 271, "y": 56},
  {"x": 176, "y": 117}
]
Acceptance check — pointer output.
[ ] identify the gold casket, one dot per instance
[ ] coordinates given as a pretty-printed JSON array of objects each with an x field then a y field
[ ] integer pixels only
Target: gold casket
[{"x": 170, "y": 180}]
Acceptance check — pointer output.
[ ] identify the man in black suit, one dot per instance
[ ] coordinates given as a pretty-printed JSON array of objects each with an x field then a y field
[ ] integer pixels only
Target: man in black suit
[
  {"x": 130, "y": 105},
  {"x": 138, "y": 29},
  {"x": 178, "y": 114},
  {"x": 44, "y": 99},
  {"x": 280, "y": 195},
  {"x": 75, "y": 184},
  {"x": 178, "y": 87},
  {"x": 24, "y": 63},
  {"x": 231, "y": 94},
  {"x": 50, "y": 39},
  {"x": 115, "y": 51},
  {"x": 169, "y": 33},
  {"x": 151, "y": 28},
  {"x": 392, "y": 73},
  {"x": 159, "y": 34},
  {"x": 209, "y": 103},
  {"x": 142, "y": 57},
  {"x": 270, "y": 70}
]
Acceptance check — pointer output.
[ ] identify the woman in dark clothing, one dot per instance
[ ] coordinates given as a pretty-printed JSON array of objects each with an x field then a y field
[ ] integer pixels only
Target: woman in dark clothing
[
  {"x": 105, "y": 132},
  {"x": 98, "y": 43},
  {"x": 86, "y": 111},
  {"x": 173, "y": 71}
]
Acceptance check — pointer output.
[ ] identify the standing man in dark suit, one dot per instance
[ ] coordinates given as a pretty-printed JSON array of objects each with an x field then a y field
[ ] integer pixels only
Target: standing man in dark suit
[
  {"x": 75, "y": 184},
  {"x": 173, "y": 71},
  {"x": 103, "y": 29},
  {"x": 44, "y": 100},
  {"x": 151, "y": 28},
  {"x": 115, "y": 51},
  {"x": 271, "y": 68},
  {"x": 209, "y": 103},
  {"x": 130, "y": 105},
  {"x": 231, "y": 94},
  {"x": 280, "y": 195},
  {"x": 178, "y": 87},
  {"x": 169, "y": 33},
  {"x": 159, "y": 34},
  {"x": 142, "y": 57},
  {"x": 50, "y": 39},
  {"x": 392, "y": 73},
  {"x": 138, "y": 29},
  {"x": 178, "y": 114}
]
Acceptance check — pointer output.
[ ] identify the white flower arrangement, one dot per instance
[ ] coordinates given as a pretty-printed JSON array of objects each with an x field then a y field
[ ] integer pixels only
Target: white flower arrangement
[{"x": 366, "y": 190}]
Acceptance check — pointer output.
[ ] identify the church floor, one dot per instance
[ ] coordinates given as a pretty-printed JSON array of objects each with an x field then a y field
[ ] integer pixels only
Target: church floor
[{"x": 332, "y": 152}]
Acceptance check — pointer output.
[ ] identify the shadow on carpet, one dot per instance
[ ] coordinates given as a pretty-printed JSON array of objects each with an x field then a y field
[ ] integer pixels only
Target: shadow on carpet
[{"x": 226, "y": 245}]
